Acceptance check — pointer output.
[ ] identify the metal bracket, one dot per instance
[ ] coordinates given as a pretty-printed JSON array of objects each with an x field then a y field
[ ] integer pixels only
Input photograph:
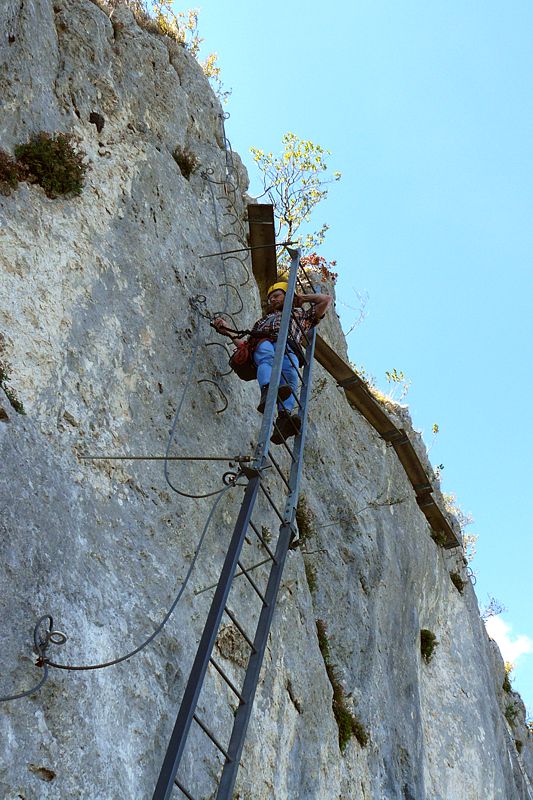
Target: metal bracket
[
  {"x": 253, "y": 472},
  {"x": 347, "y": 382}
]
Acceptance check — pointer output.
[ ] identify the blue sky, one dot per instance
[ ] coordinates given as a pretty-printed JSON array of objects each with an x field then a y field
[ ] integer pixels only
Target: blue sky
[{"x": 426, "y": 108}]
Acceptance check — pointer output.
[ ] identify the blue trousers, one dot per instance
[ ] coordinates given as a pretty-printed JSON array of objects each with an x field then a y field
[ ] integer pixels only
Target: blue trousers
[{"x": 264, "y": 357}]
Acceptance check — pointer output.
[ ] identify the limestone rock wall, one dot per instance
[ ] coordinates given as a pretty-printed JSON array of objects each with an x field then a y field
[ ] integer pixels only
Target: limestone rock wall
[{"x": 99, "y": 330}]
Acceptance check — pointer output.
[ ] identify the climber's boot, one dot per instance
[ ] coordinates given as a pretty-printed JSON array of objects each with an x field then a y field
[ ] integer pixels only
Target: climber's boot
[
  {"x": 285, "y": 426},
  {"x": 284, "y": 391}
]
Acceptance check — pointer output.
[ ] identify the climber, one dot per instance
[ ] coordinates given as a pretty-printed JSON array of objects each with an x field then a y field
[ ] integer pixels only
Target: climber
[{"x": 264, "y": 336}]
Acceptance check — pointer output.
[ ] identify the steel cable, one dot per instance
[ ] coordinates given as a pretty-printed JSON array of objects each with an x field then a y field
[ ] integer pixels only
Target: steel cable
[
  {"x": 120, "y": 659},
  {"x": 188, "y": 380},
  {"x": 29, "y": 692},
  {"x": 40, "y": 644}
]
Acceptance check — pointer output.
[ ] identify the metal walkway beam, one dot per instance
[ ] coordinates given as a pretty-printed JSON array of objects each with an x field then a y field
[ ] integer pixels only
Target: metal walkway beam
[{"x": 356, "y": 390}]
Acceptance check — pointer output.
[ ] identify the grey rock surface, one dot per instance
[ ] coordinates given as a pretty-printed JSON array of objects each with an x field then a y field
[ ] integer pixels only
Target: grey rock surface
[{"x": 99, "y": 331}]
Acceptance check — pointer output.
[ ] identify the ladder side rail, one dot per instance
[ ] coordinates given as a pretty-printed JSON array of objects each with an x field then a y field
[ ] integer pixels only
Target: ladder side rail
[
  {"x": 243, "y": 713},
  {"x": 293, "y": 484},
  {"x": 189, "y": 702},
  {"x": 281, "y": 343},
  {"x": 298, "y": 451}
]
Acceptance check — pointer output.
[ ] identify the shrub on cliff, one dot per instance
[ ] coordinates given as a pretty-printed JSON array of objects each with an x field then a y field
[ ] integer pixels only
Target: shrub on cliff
[
  {"x": 9, "y": 176},
  {"x": 177, "y": 27},
  {"x": 428, "y": 643},
  {"x": 348, "y": 724},
  {"x": 53, "y": 163},
  {"x": 5, "y": 375}
]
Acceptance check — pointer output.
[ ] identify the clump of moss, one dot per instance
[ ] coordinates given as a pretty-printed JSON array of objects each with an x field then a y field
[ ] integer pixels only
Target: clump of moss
[
  {"x": 304, "y": 519},
  {"x": 266, "y": 533},
  {"x": 5, "y": 374},
  {"x": 428, "y": 642},
  {"x": 347, "y": 723},
  {"x": 13, "y": 399},
  {"x": 510, "y": 713},
  {"x": 311, "y": 576},
  {"x": 457, "y": 581},
  {"x": 186, "y": 161},
  {"x": 323, "y": 641},
  {"x": 53, "y": 163},
  {"x": 9, "y": 175}
]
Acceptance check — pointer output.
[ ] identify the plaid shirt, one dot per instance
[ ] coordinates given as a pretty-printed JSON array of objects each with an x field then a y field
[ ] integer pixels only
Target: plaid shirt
[{"x": 301, "y": 321}]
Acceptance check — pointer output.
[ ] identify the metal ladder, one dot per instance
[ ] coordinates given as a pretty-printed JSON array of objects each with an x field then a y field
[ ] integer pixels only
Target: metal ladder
[{"x": 233, "y": 566}]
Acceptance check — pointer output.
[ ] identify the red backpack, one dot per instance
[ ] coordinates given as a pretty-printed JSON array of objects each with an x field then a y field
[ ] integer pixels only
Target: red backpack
[{"x": 242, "y": 360}]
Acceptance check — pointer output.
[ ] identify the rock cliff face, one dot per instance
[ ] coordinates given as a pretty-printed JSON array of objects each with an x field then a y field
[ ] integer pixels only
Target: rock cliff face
[{"x": 99, "y": 331}]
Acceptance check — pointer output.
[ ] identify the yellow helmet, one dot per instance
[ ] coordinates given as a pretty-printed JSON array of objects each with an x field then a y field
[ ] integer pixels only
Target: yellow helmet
[{"x": 283, "y": 285}]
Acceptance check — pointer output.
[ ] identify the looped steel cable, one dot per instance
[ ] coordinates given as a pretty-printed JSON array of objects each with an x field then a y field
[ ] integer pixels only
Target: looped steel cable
[
  {"x": 218, "y": 373},
  {"x": 231, "y": 313},
  {"x": 213, "y": 180},
  {"x": 131, "y": 653},
  {"x": 244, "y": 267},
  {"x": 196, "y": 302},
  {"x": 218, "y": 344},
  {"x": 472, "y": 575},
  {"x": 188, "y": 381},
  {"x": 207, "y": 380},
  {"x": 41, "y": 641}
]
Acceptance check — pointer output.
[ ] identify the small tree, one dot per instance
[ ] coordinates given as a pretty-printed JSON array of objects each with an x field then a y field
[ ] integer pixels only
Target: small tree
[
  {"x": 400, "y": 382},
  {"x": 295, "y": 182},
  {"x": 509, "y": 667},
  {"x": 469, "y": 540},
  {"x": 492, "y": 609},
  {"x": 159, "y": 17}
]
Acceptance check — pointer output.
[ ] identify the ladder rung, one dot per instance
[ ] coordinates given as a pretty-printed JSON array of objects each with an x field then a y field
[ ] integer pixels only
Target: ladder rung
[
  {"x": 261, "y": 539},
  {"x": 239, "y": 628},
  {"x": 308, "y": 279},
  {"x": 267, "y": 495},
  {"x": 228, "y": 681},
  {"x": 187, "y": 794},
  {"x": 300, "y": 378},
  {"x": 300, "y": 406},
  {"x": 278, "y": 470},
  {"x": 211, "y": 736},
  {"x": 292, "y": 390},
  {"x": 289, "y": 451},
  {"x": 304, "y": 333},
  {"x": 252, "y": 583},
  {"x": 254, "y": 566}
]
